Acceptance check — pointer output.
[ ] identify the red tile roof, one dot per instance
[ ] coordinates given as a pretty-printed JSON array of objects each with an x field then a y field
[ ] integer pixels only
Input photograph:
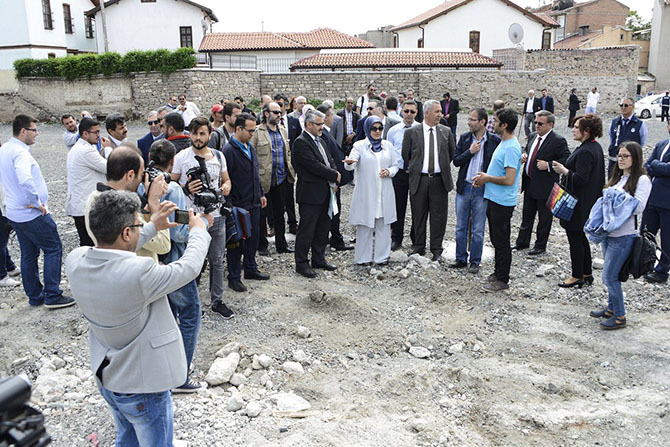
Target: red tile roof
[
  {"x": 316, "y": 39},
  {"x": 450, "y": 5},
  {"x": 396, "y": 59}
]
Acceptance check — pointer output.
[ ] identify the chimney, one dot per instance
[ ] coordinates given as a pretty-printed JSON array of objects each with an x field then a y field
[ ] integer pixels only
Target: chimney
[{"x": 559, "y": 5}]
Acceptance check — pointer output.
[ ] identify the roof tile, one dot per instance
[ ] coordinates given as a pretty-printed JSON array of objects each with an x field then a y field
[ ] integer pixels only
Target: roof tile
[{"x": 397, "y": 59}]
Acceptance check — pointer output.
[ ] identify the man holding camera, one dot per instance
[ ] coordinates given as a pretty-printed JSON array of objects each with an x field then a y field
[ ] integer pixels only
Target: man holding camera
[
  {"x": 136, "y": 352},
  {"x": 217, "y": 173},
  {"x": 245, "y": 193}
]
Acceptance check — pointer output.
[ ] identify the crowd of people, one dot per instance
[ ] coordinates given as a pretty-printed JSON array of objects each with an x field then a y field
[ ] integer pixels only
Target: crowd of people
[{"x": 198, "y": 190}]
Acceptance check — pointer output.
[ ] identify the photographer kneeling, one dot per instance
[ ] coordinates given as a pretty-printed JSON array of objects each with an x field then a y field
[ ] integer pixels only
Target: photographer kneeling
[{"x": 137, "y": 354}]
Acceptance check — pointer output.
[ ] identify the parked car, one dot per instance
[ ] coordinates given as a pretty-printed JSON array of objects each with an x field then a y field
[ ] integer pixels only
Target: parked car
[{"x": 648, "y": 106}]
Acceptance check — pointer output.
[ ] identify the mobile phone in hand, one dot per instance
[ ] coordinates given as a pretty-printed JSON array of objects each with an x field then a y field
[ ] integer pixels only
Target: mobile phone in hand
[{"x": 182, "y": 217}]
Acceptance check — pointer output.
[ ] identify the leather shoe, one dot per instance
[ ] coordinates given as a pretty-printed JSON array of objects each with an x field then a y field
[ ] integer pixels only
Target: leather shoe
[
  {"x": 395, "y": 246},
  {"x": 418, "y": 251},
  {"x": 306, "y": 271},
  {"x": 264, "y": 252},
  {"x": 655, "y": 277},
  {"x": 458, "y": 265},
  {"x": 237, "y": 285},
  {"x": 436, "y": 257},
  {"x": 324, "y": 266},
  {"x": 285, "y": 250},
  {"x": 519, "y": 247},
  {"x": 536, "y": 251},
  {"x": 293, "y": 229},
  {"x": 256, "y": 275},
  {"x": 341, "y": 247}
]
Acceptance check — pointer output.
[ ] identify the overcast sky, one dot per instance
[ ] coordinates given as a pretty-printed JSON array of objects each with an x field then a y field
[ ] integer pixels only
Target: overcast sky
[{"x": 348, "y": 16}]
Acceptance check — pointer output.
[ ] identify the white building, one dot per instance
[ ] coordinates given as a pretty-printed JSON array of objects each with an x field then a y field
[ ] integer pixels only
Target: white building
[
  {"x": 481, "y": 25},
  {"x": 659, "y": 54},
  {"x": 152, "y": 24},
  {"x": 40, "y": 29}
]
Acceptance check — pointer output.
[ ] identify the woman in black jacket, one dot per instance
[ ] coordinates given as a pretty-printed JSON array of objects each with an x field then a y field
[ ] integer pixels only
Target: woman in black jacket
[{"x": 583, "y": 177}]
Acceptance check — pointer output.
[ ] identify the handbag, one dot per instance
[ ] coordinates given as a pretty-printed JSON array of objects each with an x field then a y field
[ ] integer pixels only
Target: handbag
[
  {"x": 642, "y": 256},
  {"x": 561, "y": 203},
  {"x": 238, "y": 226}
]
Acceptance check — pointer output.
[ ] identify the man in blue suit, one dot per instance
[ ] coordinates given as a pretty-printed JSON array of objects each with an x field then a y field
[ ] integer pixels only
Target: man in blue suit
[
  {"x": 657, "y": 213},
  {"x": 154, "y": 134},
  {"x": 547, "y": 101}
]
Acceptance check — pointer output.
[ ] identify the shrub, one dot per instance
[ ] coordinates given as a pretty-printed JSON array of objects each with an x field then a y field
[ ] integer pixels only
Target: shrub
[{"x": 88, "y": 65}]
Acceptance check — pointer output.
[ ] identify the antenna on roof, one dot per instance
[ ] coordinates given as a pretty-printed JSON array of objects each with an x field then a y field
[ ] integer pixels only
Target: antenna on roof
[{"x": 515, "y": 33}]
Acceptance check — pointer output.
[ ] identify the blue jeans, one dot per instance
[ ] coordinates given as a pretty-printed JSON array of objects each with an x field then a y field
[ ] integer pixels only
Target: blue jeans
[
  {"x": 470, "y": 204},
  {"x": 142, "y": 420},
  {"x": 35, "y": 235},
  {"x": 615, "y": 251},
  {"x": 185, "y": 305},
  {"x": 6, "y": 263}
]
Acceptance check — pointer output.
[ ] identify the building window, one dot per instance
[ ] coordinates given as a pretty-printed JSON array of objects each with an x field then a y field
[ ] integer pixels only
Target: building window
[
  {"x": 583, "y": 30},
  {"x": 419, "y": 43},
  {"x": 51, "y": 55},
  {"x": 186, "y": 36},
  {"x": 46, "y": 14},
  {"x": 395, "y": 41},
  {"x": 474, "y": 41},
  {"x": 621, "y": 37},
  {"x": 89, "y": 27},
  {"x": 67, "y": 18},
  {"x": 546, "y": 40}
]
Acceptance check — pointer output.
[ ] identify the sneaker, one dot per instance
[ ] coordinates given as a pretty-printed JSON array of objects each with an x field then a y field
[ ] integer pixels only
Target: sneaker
[
  {"x": 189, "y": 387},
  {"x": 8, "y": 282},
  {"x": 14, "y": 273},
  {"x": 63, "y": 301},
  {"x": 613, "y": 323},
  {"x": 220, "y": 308},
  {"x": 473, "y": 269}
]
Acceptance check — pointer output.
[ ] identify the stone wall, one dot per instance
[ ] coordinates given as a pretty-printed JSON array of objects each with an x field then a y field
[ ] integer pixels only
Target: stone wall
[{"x": 613, "y": 70}]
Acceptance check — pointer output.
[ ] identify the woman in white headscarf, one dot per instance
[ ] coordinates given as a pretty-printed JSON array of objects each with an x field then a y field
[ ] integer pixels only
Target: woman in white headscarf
[{"x": 373, "y": 202}]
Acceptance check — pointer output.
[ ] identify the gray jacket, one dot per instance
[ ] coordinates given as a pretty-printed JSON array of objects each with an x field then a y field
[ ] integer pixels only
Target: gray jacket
[{"x": 135, "y": 343}]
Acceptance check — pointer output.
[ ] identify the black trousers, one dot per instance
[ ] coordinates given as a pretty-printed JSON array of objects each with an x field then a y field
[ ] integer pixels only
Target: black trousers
[
  {"x": 277, "y": 194},
  {"x": 247, "y": 247},
  {"x": 500, "y": 218},
  {"x": 263, "y": 242},
  {"x": 335, "y": 234},
  {"x": 431, "y": 198},
  {"x": 531, "y": 207},
  {"x": 571, "y": 118},
  {"x": 401, "y": 189},
  {"x": 84, "y": 238},
  {"x": 580, "y": 253},
  {"x": 312, "y": 233},
  {"x": 289, "y": 204},
  {"x": 664, "y": 114}
]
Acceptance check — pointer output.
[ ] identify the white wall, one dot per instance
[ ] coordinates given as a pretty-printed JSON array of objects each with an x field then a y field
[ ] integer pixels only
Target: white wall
[
  {"x": 77, "y": 40},
  {"x": 659, "y": 55},
  {"x": 491, "y": 18},
  {"x": 132, "y": 25},
  {"x": 272, "y": 61}
]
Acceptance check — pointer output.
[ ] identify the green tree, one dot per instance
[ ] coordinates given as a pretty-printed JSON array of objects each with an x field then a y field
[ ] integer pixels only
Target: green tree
[{"x": 635, "y": 22}]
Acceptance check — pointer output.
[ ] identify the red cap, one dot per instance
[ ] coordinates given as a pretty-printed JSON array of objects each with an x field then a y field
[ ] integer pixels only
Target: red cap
[{"x": 217, "y": 108}]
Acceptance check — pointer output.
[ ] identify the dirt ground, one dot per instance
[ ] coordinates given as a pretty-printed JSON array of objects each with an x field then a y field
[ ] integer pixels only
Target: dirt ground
[{"x": 527, "y": 366}]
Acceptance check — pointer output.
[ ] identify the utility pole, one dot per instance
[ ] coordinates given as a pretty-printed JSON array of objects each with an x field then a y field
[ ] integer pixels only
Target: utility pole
[{"x": 104, "y": 26}]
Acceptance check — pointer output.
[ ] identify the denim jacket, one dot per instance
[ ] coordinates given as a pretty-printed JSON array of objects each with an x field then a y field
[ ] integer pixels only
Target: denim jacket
[{"x": 608, "y": 213}]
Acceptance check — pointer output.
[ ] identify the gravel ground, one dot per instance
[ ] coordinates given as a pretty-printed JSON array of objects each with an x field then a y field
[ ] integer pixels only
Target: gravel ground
[{"x": 522, "y": 367}]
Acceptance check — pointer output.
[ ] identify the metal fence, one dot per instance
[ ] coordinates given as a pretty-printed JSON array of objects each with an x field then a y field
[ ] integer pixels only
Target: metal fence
[{"x": 243, "y": 62}]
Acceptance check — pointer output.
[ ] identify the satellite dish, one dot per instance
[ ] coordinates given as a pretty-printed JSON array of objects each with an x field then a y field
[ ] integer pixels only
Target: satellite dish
[{"x": 515, "y": 33}]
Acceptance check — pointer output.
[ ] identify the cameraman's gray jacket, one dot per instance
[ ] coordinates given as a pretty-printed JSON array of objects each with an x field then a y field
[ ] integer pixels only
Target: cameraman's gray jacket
[{"x": 131, "y": 327}]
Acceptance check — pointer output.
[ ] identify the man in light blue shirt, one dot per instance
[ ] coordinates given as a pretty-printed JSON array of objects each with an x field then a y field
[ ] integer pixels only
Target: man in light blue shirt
[
  {"x": 26, "y": 198},
  {"x": 401, "y": 180},
  {"x": 501, "y": 188}
]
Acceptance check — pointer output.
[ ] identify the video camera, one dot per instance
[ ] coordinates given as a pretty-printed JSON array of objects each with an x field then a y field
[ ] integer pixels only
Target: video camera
[
  {"x": 210, "y": 196},
  {"x": 20, "y": 424},
  {"x": 152, "y": 172}
]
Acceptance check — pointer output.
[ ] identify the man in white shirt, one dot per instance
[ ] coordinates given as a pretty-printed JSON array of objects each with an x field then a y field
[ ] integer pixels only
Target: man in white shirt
[
  {"x": 362, "y": 103},
  {"x": 592, "y": 100},
  {"x": 187, "y": 109},
  {"x": 85, "y": 168}
]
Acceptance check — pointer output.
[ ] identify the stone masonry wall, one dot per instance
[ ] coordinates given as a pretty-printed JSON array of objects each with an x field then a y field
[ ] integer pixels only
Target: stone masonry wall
[{"x": 613, "y": 70}]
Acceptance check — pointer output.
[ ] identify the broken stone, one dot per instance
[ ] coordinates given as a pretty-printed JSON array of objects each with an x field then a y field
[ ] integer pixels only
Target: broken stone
[
  {"x": 419, "y": 352},
  {"x": 303, "y": 332},
  {"x": 222, "y": 369}
]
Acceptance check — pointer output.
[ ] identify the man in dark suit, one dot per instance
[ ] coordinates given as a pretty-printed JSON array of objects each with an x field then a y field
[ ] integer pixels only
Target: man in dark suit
[
  {"x": 531, "y": 105},
  {"x": 374, "y": 108},
  {"x": 573, "y": 106},
  {"x": 543, "y": 147},
  {"x": 155, "y": 133},
  {"x": 350, "y": 122},
  {"x": 317, "y": 179},
  {"x": 657, "y": 214},
  {"x": 427, "y": 151},
  {"x": 547, "y": 101},
  {"x": 336, "y": 238},
  {"x": 410, "y": 95},
  {"x": 450, "y": 110},
  {"x": 665, "y": 107}
]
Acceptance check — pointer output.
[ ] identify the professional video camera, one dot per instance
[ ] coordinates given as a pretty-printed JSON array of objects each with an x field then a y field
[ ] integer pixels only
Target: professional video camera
[
  {"x": 210, "y": 196},
  {"x": 20, "y": 424},
  {"x": 152, "y": 172}
]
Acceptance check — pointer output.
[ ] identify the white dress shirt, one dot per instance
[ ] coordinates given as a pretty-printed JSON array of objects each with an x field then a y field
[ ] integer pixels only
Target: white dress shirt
[
  {"x": 529, "y": 104},
  {"x": 426, "y": 148},
  {"x": 534, "y": 149},
  {"x": 25, "y": 188},
  {"x": 85, "y": 169}
]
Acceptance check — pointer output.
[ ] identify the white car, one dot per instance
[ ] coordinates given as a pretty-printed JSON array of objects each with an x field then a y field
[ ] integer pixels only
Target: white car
[{"x": 648, "y": 106}]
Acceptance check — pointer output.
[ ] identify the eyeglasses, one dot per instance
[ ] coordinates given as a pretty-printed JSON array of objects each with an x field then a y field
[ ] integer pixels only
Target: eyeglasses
[
  {"x": 136, "y": 225},
  {"x": 625, "y": 105},
  {"x": 280, "y": 104},
  {"x": 376, "y": 129},
  {"x": 276, "y": 112},
  {"x": 318, "y": 124},
  {"x": 32, "y": 130},
  {"x": 409, "y": 111},
  {"x": 538, "y": 123},
  {"x": 371, "y": 108},
  {"x": 251, "y": 131},
  {"x": 623, "y": 156},
  {"x": 153, "y": 123}
]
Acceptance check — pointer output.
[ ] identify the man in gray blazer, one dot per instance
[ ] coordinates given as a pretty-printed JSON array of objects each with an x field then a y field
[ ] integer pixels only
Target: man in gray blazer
[
  {"x": 137, "y": 353},
  {"x": 337, "y": 129},
  {"x": 427, "y": 151}
]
